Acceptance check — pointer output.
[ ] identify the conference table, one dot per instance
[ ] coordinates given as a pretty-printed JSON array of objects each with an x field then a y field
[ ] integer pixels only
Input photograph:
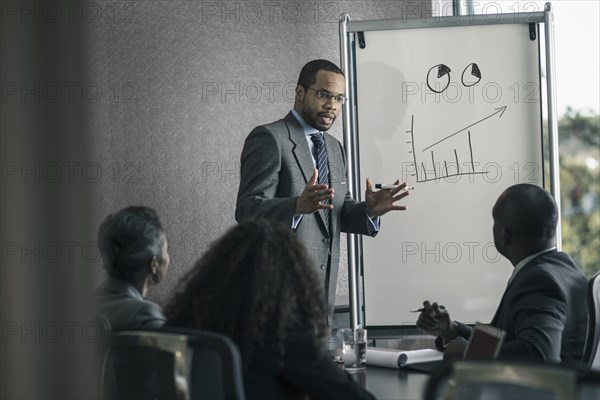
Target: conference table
[
  {"x": 386, "y": 383},
  {"x": 389, "y": 383}
]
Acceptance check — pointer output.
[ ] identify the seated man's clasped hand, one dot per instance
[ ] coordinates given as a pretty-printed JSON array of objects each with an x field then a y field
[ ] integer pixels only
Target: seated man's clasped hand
[{"x": 435, "y": 320}]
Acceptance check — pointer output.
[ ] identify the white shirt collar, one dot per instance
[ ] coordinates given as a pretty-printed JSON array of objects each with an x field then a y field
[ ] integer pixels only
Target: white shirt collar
[{"x": 525, "y": 261}]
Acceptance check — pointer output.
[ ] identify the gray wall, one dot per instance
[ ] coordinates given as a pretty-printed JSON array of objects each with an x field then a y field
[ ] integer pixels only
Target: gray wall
[
  {"x": 182, "y": 83},
  {"x": 105, "y": 104}
]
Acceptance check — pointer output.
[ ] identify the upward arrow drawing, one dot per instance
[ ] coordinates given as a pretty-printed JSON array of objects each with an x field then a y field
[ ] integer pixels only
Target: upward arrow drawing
[{"x": 498, "y": 110}]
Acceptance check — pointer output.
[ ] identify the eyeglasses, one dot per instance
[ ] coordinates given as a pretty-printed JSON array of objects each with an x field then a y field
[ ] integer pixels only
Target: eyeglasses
[{"x": 326, "y": 96}]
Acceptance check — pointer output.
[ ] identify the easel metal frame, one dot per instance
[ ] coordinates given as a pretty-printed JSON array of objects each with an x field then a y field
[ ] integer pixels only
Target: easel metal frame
[{"x": 349, "y": 30}]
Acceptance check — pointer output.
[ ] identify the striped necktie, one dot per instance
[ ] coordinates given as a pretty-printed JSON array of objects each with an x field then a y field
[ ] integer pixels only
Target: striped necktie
[{"x": 320, "y": 152}]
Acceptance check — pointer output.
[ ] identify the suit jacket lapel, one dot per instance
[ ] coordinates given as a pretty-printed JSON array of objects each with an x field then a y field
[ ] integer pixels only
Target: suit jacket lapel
[
  {"x": 497, "y": 314},
  {"x": 300, "y": 149},
  {"x": 500, "y": 305},
  {"x": 302, "y": 153},
  {"x": 516, "y": 279}
]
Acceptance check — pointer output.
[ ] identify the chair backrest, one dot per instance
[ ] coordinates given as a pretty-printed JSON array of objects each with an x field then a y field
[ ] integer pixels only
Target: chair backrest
[
  {"x": 591, "y": 352},
  {"x": 171, "y": 364},
  {"x": 499, "y": 380},
  {"x": 102, "y": 322}
]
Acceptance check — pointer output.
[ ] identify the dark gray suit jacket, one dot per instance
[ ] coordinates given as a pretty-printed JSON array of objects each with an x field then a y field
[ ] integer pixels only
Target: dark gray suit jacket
[
  {"x": 276, "y": 164},
  {"x": 120, "y": 303},
  {"x": 543, "y": 311}
]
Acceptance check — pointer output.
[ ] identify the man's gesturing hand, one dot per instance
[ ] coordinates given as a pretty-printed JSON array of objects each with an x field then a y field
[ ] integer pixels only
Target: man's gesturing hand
[
  {"x": 382, "y": 201},
  {"x": 312, "y": 196}
]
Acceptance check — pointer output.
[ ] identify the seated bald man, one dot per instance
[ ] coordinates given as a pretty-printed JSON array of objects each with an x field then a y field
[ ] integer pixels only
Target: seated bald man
[{"x": 544, "y": 307}]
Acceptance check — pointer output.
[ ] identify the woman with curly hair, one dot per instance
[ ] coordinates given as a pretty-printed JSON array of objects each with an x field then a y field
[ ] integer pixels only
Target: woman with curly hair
[{"x": 257, "y": 286}]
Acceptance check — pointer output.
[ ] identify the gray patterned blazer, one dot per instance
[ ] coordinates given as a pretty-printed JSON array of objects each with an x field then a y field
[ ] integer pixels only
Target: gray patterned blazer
[{"x": 276, "y": 164}]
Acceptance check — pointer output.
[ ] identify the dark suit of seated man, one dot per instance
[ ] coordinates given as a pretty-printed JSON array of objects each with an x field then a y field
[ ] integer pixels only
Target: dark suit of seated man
[{"x": 544, "y": 307}]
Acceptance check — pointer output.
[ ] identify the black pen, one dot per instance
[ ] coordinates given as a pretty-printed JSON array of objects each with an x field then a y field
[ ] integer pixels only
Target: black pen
[
  {"x": 423, "y": 309},
  {"x": 391, "y": 187}
]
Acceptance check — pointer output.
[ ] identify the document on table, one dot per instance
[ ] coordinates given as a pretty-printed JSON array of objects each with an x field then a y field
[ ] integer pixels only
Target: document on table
[{"x": 392, "y": 358}]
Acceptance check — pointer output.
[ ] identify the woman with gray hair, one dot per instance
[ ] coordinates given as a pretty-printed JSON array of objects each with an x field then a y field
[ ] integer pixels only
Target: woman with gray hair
[{"x": 134, "y": 253}]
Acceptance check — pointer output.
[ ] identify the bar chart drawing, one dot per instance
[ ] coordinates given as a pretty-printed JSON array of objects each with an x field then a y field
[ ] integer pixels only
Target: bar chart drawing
[{"x": 449, "y": 168}]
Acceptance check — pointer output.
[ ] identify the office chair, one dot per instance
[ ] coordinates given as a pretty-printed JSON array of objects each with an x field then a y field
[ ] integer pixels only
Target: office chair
[
  {"x": 501, "y": 380},
  {"x": 591, "y": 352},
  {"x": 102, "y": 322},
  {"x": 171, "y": 364}
]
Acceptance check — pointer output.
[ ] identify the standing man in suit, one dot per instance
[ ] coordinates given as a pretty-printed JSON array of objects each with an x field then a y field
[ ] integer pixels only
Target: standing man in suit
[
  {"x": 544, "y": 307},
  {"x": 294, "y": 172}
]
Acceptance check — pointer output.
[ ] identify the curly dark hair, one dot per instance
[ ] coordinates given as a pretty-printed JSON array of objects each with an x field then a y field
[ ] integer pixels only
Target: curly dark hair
[{"x": 256, "y": 285}]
